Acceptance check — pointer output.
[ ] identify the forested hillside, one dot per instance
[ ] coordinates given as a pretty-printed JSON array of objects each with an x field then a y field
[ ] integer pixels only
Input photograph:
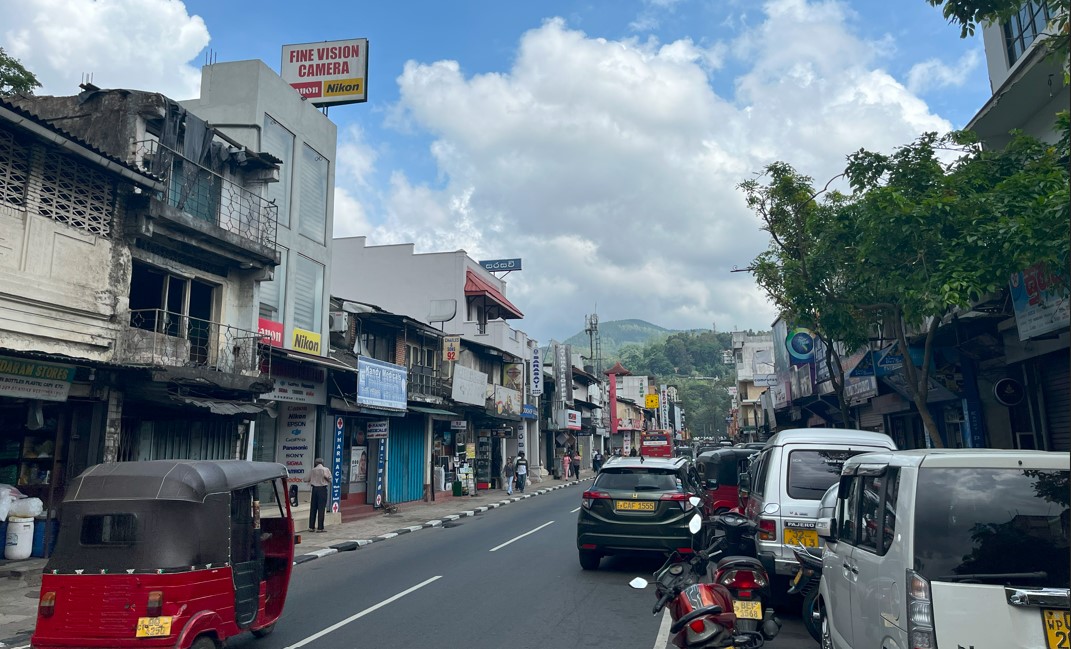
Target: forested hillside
[{"x": 616, "y": 334}]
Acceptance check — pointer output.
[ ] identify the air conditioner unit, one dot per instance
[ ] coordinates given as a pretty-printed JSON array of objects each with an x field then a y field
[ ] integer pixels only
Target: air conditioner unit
[{"x": 337, "y": 321}]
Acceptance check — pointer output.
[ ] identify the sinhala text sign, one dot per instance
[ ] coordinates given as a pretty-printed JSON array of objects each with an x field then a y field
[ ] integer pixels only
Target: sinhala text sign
[{"x": 328, "y": 73}]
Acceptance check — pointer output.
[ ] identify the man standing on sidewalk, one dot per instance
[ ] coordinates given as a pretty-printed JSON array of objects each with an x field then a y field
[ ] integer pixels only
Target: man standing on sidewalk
[
  {"x": 521, "y": 471},
  {"x": 320, "y": 479}
]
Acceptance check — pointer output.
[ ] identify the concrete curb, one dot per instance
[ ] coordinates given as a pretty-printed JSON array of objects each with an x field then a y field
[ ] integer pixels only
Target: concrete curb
[{"x": 349, "y": 546}]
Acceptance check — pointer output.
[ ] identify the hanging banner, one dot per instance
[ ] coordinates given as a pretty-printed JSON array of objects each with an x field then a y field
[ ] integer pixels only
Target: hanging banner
[
  {"x": 381, "y": 467},
  {"x": 536, "y": 378},
  {"x": 297, "y": 442},
  {"x": 336, "y": 474},
  {"x": 378, "y": 429}
]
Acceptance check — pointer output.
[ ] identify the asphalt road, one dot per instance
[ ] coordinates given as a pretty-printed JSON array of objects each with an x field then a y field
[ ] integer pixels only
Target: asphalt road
[{"x": 505, "y": 578}]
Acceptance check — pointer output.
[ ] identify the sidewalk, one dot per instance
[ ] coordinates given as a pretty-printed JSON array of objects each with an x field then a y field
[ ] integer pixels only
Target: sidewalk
[{"x": 20, "y": 581}]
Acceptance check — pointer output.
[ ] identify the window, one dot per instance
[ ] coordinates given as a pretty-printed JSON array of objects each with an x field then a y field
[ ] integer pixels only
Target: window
[
  {"x": 14, "y": 169},
  {"x": 312, "y": 217},
  {"x": 811, "y": 473},
  {"x": 761, "y": 468},
  {"x": 273, "y": 293},
  {"x": 1024, "y": 27},
  {"x": 76, "y": 194},
  {"x": 174, "y": 306},
  {"x": 109, "y": 529},
  {"x": 308, "y": 294},
  {"x": 279, "y": 142},
  {"x": 892, "y": 493},
  {"x": 637, "y": 479},
  {"x": 848, "y": 511},
  {"x": 873, "y": 488}
]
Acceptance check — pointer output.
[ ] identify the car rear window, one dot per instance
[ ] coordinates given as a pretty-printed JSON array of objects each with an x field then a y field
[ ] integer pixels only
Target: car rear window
[
  {"x": 638, "y": 479},
  {"x": 977, "y": 522},
  {"x": 810, "y": 473}
]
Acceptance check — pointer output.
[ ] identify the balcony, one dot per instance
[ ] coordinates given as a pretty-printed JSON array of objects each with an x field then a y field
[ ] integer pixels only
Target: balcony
[
  {"x": 208, "y": 203},
  {"x": 497, "y": 334},
  {"x": 422, "y": 380},
  {"x": 198, "y": 349}
]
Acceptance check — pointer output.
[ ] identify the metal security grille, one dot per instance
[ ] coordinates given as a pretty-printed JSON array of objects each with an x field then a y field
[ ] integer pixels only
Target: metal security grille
[
  {"x": 75, "y": 194},
  {"x": 177, "y": 439},
  {"x": 406, "y": 459},
  {"x": 14, "y": 169}
]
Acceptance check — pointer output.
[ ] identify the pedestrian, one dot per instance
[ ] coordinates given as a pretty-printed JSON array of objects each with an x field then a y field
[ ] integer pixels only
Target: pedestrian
[
  {"x": 576, "y": 464},
  {"x": 633, "y": 452},
  {"x": 596, "y": 461},
  {"x": 320, "y": 479},
  {"x": 520, "y": 470},
  {"x": 507, "y": 472},
  {"x": 567, "y": 472}
]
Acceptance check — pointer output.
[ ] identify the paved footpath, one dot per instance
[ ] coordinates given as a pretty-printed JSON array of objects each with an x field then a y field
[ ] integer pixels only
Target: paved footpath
[{"x": 20, "y": 581}]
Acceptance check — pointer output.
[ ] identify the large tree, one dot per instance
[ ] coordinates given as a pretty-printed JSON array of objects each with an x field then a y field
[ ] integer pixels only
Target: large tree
[
  {"x": 926, "y": 230},
  {"x": 14, "y": 78}
]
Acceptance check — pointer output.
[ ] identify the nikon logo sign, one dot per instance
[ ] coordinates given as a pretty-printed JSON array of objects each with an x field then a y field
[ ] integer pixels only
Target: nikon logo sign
[
  {"x": 343, "y": 87},
  {"x": 305, "y": 341}
]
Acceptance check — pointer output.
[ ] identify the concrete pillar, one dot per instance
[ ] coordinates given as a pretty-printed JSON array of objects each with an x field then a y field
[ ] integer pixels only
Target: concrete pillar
[{"x": 113, "y": 426}]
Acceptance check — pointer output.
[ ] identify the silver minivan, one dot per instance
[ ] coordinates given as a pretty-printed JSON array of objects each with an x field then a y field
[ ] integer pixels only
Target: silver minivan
[
  {"x": 785, "y": 485},
  {"x": 948, "y": 548}
]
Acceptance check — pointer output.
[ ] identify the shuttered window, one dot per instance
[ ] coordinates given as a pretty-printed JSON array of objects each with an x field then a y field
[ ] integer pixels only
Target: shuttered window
[
  {"x": 273, "y": 293},
  {"x": 313, "y": 190},
  {"x": 308, "y": 293},
  {"x": 280, "y": 143}
]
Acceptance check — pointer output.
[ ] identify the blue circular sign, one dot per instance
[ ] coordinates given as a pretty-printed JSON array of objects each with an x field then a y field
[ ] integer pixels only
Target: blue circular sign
[{"x": 800, "y": 344}]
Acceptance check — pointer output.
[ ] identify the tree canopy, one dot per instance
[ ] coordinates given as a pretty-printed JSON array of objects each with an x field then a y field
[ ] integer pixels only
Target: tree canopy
[{"x": 14, "y": 78}]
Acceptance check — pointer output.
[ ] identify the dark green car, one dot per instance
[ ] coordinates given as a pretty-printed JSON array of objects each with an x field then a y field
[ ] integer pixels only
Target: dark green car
[{"x": 638, "y": 505}]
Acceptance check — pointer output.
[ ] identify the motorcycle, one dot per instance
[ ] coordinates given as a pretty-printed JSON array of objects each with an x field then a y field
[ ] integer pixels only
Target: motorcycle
[
  {"x": 740, "y": 572},
  {"x": 806, "y": 583},
  {"x": 703, "y": 613}
]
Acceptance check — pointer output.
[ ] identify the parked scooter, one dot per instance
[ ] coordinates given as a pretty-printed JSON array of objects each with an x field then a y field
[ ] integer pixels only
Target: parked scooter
[
  {"x": 806, "y": 584},
  {"x": 740, "y": 571},
  {"x": 703, "y": 613}
]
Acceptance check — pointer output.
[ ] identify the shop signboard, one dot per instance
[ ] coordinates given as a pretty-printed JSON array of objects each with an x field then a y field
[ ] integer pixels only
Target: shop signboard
[
  {"x": 536, "y": 379},
  {"x": 469, "y": 386},
  {"x": 381, "y": 384},
  {"x": 271, "y": 332},
  {"x": 336, "y": 473},
  {"x": 572, "y": 420},
  {"x": 451, "y": 348},
  {"x": 507, "y": 401},
  {"x": 459, "y": 424},
  {"x": 663, "y": 406},
  {"x": 1041, "y": 302},
  {"x": 378, "y": 429},
  {"x": 513, "y": 376},
  {"x": 381, "y": 468},
  {"x": 308, "y": 342},
  {"x": 327, "y": 73},
  {"x": 650, "y": 401},
  {"x": 529, "y": 411},
  {"x": 297, "y": 391},
  {"x": 297, "y": 441},
  {"x": 25, "y": 379}
]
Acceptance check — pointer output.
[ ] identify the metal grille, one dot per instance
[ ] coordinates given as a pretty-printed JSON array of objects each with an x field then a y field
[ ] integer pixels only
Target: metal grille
[
  {"x": 76, "y": 194},
  {"x": 14, "y": 169},
  {"x": 164, "y": 338}
]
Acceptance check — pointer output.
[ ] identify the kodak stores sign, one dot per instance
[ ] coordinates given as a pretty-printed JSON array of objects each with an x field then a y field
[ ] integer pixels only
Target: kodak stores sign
[
  {"x": 328, "y": 73},
  {"x": 302, "y": 340}
]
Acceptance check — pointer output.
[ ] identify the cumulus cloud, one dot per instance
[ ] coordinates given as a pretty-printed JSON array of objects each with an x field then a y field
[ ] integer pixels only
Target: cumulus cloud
[
  {"x": 934, "y": 74},
  {"x": 141, "y": 44}
]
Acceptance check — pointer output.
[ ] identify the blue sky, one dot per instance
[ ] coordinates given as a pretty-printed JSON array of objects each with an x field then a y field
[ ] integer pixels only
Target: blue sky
[{"x": 601, "y": 141}]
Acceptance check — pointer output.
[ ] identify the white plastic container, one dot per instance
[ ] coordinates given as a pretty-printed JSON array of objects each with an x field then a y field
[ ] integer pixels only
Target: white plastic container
[{"x": 19, "y": 542}]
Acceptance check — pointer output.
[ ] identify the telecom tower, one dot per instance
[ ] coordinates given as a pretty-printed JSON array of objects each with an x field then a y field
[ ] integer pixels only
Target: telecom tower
[{"x": 591, "y": 328}]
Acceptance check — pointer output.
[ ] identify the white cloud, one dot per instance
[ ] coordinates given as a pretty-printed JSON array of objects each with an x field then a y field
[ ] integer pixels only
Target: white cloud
[
  {"x": 612, "y": 167},
  {"x": 934, "y": 74},
  {"x": 140, "y": 44}
]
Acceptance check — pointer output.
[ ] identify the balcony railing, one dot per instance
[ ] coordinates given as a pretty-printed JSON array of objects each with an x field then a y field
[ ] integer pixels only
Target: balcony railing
[
  {"x": 426, "y": 381},
  {"x": 205, "y": 195},
  {"x": 162, "y": 338}
]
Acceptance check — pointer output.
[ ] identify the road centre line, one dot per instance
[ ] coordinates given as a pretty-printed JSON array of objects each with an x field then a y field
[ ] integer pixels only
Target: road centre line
[
  {"x": 574, "y": 510},
  {"x": 517, "y": 538},
  {"x": 662, "y": 639},
  {"x": 357, "y": 616}
]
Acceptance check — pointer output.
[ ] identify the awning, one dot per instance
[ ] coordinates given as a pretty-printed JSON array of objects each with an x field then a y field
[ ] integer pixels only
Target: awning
[
  {"x": 322, "y": 361},
  {"x": 223, "y": 406},
  {"x": 476, "y": 286},
  {"x": 432, "y": 411},
  {"x": 342, "y": 405}
]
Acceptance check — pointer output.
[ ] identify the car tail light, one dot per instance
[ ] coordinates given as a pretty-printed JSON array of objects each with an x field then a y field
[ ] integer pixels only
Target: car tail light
[
  {"x": 685, "y": 550},
  {"x": 767, "y": 529},
  {"x": 919, "y": 613},
  {"x": 681, "y": 498},
  {"x": 156, "y": 603},
  {"x": 742, "y": 579},
  {"x": 591, "y": 496},
  {"x": 47, "y": 605}
]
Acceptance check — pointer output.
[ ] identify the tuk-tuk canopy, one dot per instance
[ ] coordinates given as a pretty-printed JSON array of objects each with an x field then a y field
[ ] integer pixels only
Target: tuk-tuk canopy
[
  {"x": 186, "y": 480},
  {"x": 723, "y": 464}
]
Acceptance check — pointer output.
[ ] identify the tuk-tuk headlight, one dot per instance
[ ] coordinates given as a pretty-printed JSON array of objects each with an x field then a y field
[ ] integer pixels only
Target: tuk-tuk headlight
[
  {"x": 48, "y": 604},
  {"x": 155, "y": 605}
]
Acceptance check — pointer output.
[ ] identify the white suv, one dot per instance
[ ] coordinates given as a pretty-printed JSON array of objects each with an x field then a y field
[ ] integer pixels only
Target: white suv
[{"x": 948, "y": 548}]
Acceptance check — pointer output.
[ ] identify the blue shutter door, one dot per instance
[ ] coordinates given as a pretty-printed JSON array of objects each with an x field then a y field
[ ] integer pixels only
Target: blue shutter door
[{"x": 405, "y": 460}]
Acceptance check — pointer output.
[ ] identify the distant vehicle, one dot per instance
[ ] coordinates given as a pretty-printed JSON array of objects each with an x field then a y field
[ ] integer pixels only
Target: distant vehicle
[
  {"x": 755, "y": 445},
  {"x": 684, "y": 451},
  {"x": 656, "y": 444},
  {"x": 720, "y": 471}
]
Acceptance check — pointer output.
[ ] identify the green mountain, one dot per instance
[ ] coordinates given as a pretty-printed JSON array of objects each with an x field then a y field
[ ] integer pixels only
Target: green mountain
[{"x": 615, "y": 334}]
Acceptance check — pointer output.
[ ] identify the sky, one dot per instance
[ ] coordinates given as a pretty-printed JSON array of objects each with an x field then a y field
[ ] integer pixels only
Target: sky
[{"x": 600, "y": 141}]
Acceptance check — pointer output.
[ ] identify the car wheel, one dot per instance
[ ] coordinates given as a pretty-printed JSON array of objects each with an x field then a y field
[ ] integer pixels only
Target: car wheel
[
  {"x": 204, "y": 642},
  {"x": 827, "y": 637},
  {"x": 812, "y": 616},
  {"x": 589, "y": 560}
]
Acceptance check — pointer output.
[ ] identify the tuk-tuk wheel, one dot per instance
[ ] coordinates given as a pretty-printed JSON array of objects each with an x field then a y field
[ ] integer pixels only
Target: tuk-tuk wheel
[
  {"x": 264, "y": 630},
  {"x": 204, "y": 642}
]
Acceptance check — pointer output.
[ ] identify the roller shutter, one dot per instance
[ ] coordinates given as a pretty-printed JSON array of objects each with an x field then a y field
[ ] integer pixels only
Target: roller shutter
[
  {"x": 406, "y": 458},
  {"x": 1056, "y": 388}
]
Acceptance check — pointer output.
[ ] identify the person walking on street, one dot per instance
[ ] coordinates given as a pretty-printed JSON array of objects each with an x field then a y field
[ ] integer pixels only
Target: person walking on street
[
  {"x": 576, "y": 464},
  {"x": 596, "y": 461},
  {"x": 520, "y": 470},
  {"x": 320, "y": 479},
  {"x": 567, "y": 470},
  {"x": 507, "y": 473}
]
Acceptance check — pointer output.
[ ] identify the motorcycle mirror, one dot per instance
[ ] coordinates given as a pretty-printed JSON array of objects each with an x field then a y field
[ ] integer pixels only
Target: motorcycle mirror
[
  {"x": 694, "y": 500},
  {"x": 639, "y": 583},
  {"x": 695, "y": 524}
]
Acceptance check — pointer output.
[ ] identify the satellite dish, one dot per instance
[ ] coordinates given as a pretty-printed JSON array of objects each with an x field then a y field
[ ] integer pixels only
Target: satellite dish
[{"x": 442, "y": 310}]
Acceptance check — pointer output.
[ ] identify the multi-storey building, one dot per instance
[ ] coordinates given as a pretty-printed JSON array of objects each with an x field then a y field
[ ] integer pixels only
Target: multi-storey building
[{"x": 753, "y": 356}]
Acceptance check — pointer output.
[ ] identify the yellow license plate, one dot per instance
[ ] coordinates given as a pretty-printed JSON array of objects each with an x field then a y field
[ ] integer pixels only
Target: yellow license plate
[
  {"x": 747, "y": 610},
  {"x": 1057, "y": 628},
  {"x": 808, "y": 538},
  {"x": 153, "y": 627},
  {"x": 634, "y": 505}
]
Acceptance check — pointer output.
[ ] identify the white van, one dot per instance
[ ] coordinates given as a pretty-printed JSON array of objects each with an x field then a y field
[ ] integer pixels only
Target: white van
[
  {"x": 787, "y": 480},
  {"x": 948, "y": 548}
]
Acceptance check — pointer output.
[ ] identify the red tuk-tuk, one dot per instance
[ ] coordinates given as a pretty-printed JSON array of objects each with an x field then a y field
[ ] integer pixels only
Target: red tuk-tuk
[
  {"x": 720, "y": 471},
  {"x": 168, "y": 553}
]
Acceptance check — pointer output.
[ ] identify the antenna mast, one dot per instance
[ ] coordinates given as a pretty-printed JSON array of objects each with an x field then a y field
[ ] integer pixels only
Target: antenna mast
[{"x": 591, "y": 328}]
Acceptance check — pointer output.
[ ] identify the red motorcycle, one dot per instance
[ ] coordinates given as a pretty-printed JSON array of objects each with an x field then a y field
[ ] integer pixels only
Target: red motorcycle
[
  {"x": 703, "y": 613},
  {"x": 743, "y": 575}
]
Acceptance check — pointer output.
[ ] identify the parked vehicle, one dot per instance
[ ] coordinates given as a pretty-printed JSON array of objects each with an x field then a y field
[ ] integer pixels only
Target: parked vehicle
[
  {"x": 701, "y": 612},
  {"x": 949, "y": 548},
  {"x": 809, "y": 575},
  {"x": 785, "y": 484},
  {"x": 168, "y": 554},
  {"x": 639, "y": 504},
  {"x": 720, "y": 470},
  {"x": 739, "y": 571},
  {"x": 656, "y": 444}
]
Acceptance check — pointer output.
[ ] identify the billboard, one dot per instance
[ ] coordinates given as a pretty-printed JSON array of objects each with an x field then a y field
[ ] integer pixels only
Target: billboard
[{"x": 328, "y": 73}]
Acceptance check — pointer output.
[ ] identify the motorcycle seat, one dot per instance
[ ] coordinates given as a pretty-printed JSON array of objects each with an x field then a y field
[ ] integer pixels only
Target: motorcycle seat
[{"x": 740, "y": 562}]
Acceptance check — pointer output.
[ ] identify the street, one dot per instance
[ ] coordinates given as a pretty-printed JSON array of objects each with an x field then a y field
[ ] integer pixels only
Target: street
[{"x": 508, "y": 577}]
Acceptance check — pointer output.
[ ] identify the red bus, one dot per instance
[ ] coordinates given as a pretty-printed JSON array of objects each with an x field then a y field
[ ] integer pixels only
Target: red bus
[{"x": 656, "y": 444}]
